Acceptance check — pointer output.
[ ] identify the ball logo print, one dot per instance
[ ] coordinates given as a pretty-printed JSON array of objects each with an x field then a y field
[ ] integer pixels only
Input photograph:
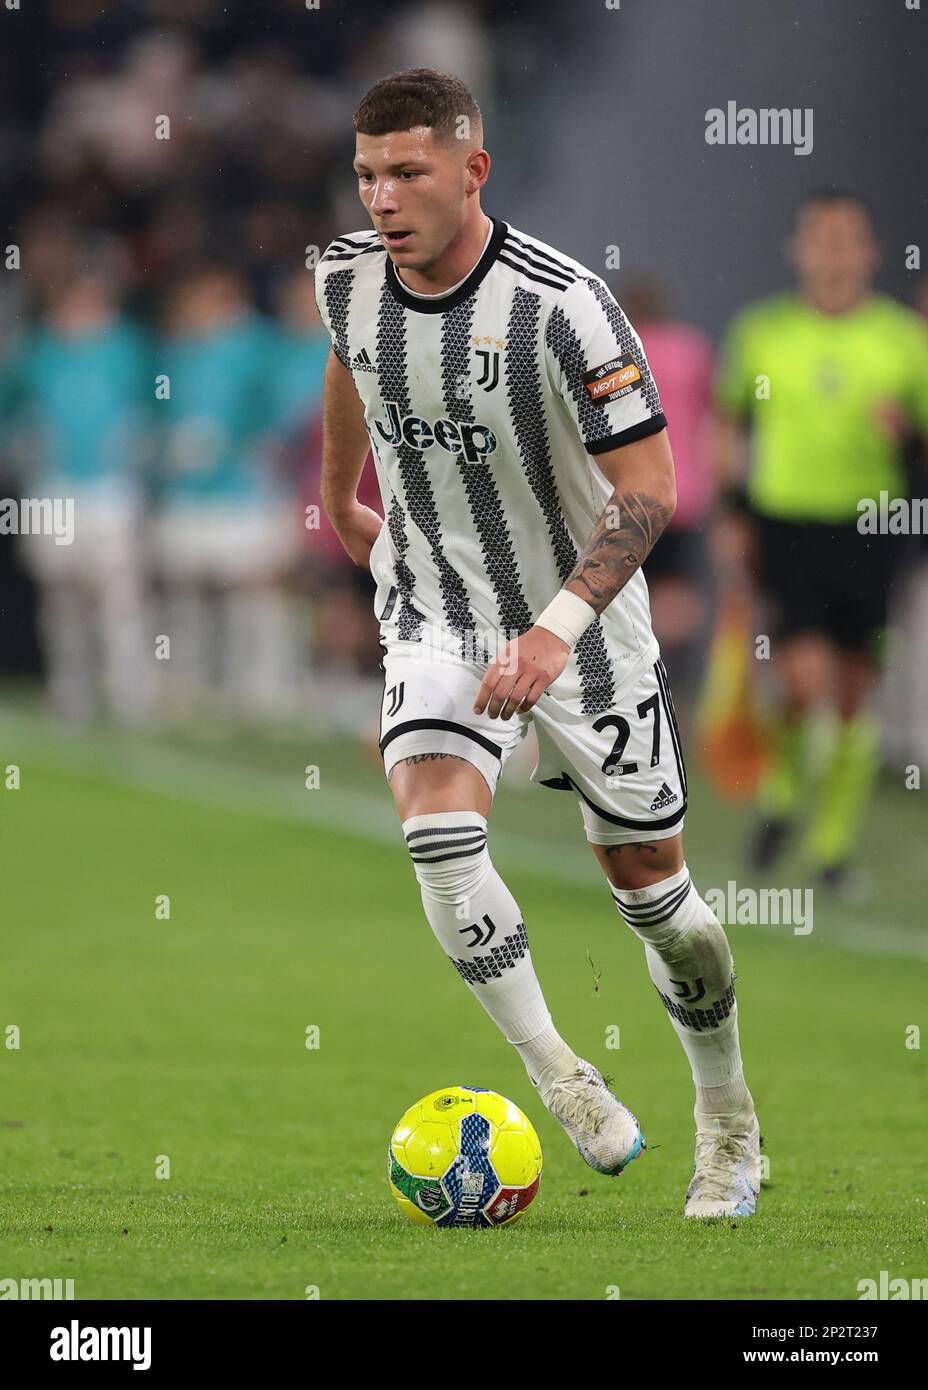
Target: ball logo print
[
  {"x": 428, "y": 1199},
  {"x": 479, "y": 1165}
]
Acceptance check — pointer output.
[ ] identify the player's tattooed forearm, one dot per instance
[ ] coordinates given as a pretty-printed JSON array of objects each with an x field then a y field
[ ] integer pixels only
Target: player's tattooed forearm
[
  {"x": 621, "y": 540},
  {"x": 642, "y": 844}
]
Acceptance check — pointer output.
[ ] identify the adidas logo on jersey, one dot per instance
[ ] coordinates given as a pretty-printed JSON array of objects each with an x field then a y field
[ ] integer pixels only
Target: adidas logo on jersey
[
  {"x": 665, "y": 797},
  {"x": 363, "y": 362}
]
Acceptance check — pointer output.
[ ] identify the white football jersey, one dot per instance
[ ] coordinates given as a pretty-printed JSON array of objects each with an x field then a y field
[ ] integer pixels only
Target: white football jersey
[{"x": 486, "y": 408}]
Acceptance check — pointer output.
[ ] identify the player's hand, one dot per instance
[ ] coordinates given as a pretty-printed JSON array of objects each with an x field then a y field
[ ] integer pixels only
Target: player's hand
[
  {"x": 357, "y": 528},
  {"x": 892, "y": 420},
  {"x": 521, "y": 673},
  {"x": 733, "y": 546}
]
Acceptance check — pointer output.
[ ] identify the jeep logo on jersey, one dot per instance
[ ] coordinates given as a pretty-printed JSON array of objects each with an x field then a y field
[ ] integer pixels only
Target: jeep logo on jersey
[{"x": 456, "y": 436}]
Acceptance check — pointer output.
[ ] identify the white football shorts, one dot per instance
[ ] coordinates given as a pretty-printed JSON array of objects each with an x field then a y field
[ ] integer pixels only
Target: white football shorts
[{"x": 625, "y": 766}]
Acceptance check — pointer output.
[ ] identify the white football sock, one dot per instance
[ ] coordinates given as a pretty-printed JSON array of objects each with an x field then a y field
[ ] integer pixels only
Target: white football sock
[
  {"x": 478, "y": 923},
  {"x": 724, "y": 1102},
  {"x": 546, "y": 1050},
  {"x": 692, "y": 969}
]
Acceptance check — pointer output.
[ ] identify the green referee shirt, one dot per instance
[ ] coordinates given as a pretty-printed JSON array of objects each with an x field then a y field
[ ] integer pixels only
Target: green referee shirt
[{"x": 809, "y": 384}]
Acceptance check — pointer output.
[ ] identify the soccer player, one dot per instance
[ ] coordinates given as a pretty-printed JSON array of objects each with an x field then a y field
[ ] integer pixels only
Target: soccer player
[
  {"x": 822, "y": 379},
  {"x": 525, "y": 473}
]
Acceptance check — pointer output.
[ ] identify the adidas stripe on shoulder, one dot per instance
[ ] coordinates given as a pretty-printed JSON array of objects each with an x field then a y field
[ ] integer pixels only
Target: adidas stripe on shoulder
[
  {"x": 534, "y": 264},
  {"x": 350, "y": 247}
]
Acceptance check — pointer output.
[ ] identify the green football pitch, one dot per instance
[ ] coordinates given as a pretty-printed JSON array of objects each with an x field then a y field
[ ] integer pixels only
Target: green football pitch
[{"x": 151, "y": 1045}]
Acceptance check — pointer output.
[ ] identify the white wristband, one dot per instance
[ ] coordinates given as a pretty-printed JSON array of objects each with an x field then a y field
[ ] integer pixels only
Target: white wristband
[{"x": 568, "y": 616}]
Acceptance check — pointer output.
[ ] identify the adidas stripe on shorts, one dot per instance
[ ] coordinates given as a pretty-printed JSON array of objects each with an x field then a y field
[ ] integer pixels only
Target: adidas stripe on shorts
[{"x": 625, "y": 766}]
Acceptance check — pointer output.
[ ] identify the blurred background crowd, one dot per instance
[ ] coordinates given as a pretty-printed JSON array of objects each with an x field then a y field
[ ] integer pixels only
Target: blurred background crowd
[{"x": 162, "y": 354}]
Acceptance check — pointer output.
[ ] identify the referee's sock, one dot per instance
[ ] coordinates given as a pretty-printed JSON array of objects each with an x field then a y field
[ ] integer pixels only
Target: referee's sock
[
  {"x": 844, "y": 791},
  {"x": 778, "y": 795}
]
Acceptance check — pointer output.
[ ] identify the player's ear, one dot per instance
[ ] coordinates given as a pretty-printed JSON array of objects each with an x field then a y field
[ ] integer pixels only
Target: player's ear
[{"x": 478, "y": 169}]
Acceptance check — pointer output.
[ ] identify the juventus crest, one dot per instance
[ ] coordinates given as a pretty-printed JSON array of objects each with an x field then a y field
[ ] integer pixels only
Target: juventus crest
[
  {"x": 489, "y": 362},
  {"x": 488, "y": 357}
]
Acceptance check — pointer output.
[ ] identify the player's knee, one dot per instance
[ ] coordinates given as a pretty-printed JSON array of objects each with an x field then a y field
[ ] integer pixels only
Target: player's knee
[
  {"x": 806, "y": 670},
  {"x": 449, "y": 853}
]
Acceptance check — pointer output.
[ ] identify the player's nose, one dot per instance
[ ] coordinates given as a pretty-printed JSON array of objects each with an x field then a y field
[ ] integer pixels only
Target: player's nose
[{"x": 384, "y": 198}]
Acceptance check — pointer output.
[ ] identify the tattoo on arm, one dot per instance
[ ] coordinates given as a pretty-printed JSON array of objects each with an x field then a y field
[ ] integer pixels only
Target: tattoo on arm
[
  {"x": 617, "y": 849},
  {"x": 621, "y": 539}
]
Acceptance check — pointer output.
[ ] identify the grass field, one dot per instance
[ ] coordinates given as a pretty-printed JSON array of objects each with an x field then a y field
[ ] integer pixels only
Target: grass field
[{"x": 186, "y": 1038}]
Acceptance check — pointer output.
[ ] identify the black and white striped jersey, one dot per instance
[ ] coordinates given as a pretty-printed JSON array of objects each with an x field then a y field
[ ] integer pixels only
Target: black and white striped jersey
[{"x": 484, "y": 407}]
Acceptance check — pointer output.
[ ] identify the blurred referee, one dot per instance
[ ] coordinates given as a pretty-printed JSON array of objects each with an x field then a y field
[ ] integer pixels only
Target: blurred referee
[{"x": 825, "y": 381}]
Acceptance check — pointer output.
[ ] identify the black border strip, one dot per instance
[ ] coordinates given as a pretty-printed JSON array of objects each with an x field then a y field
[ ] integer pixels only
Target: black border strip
[
  {"x": 635, "y": 432},
  {"x": 410, "y": 724},
  {"x": 566, "y": 783},
  {"x": 663, "y": 685}
]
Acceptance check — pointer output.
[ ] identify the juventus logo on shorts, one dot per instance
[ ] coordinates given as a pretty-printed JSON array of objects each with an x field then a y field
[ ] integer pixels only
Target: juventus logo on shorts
[
  {"x": 490, "y": 365},
  {"x": 396, "y": 698}
]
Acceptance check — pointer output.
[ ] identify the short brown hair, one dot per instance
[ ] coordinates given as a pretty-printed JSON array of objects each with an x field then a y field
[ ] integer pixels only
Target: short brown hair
[{"x": 414, "y": 97}]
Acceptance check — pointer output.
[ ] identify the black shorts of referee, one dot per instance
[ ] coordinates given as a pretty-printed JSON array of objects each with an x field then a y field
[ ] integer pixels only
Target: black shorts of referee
[{"x": 826, "y": 578}]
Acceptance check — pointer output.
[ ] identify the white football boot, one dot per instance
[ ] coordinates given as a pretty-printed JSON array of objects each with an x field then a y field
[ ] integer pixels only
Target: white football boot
[
  {"x": 726, "y": 1171},
  {"x": 607, "y": 1135}
]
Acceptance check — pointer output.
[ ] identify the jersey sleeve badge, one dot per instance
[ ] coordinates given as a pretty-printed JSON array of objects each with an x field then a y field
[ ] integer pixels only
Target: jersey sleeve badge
[{"x": 614, "y": 379}]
